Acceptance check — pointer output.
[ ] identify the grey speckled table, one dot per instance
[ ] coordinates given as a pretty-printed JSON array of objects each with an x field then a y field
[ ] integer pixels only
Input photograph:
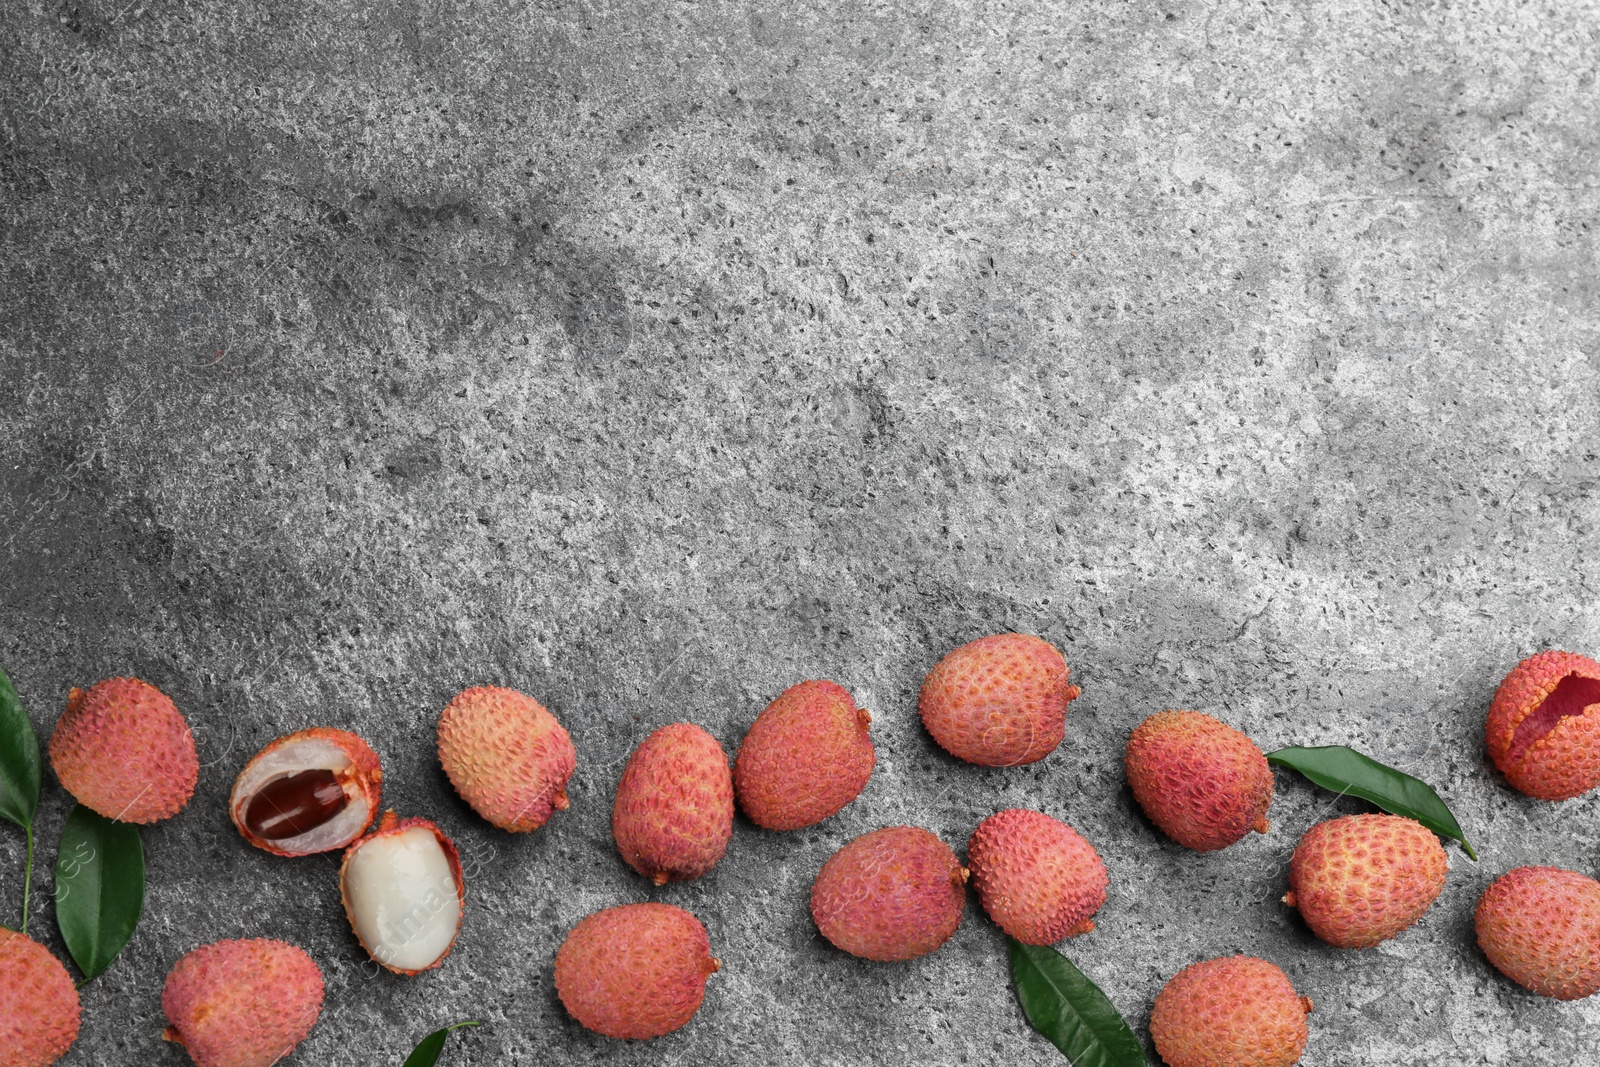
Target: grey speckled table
[{"x": 652, "y": 357}]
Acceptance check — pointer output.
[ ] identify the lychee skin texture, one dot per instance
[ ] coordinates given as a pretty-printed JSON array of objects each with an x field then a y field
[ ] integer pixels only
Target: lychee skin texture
[
  {"x": 1540, "y": 926},
  {"x": 1362, "y": 879},
  {"x": 123, "y": 751},
  {"x": 1202, "y": 782},
  {"x": 1544, "y": 726},
  {"x": 1037, "y": 877},
  {"x": 1232, "y": 1012},
  {"x": 635, "y": 971},
  {"x": 999, "y": 701},
  {"x": 806, "y": 756},
  {"x": 242, "y": 1003},
  {"x": 673, "y": 814},
  {"x": 893, "y": 894},
  {"x": 507, "y": 756},
  {"x": 38, "y": 1005}
]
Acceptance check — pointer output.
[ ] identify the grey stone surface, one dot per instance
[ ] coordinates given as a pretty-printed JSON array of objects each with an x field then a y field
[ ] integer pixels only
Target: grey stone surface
[{"x": 652, "y": 357}]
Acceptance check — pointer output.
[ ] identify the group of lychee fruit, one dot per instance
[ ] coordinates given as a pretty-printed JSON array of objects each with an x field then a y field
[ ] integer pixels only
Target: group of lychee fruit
[{"x": 640, "y": 970}]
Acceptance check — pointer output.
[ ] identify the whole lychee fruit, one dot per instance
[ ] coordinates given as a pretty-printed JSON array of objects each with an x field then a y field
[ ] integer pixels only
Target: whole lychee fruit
[
  {"x": 1202, "y": 782},
  {"x": 507, "y": 756},
  {"x": 1232, "y": 1012},
  {"x": 1037, "y": 877},
  {"x": 999, "y": 701},
  {"x": 123, "y": 751},
  {"x": 242, "y": 1003},
  {"x": 1361, "y": 879},
  {"x": 404, "y": 894},
  {"x": 38, "y": 1003},
  {"x": 1540, "y": 926},
  {"x": 806, "y": 756},
  {"x": 312, "y": 791},
  {"x": 1544, "y": 725},
  {"x": 636, "y": 971},
  {"x": 674, "y": 810},
  {"x": 892, "y": 894}
]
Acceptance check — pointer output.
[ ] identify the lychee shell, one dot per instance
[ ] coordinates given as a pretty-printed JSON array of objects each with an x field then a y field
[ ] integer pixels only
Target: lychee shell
[
  {"x": 123, "y": 750},
  {"x": 1038, "y": 878},
  {"x": 1558, "y": 758},
  {"x": 892, "y": 894},
  {"x": 507, "y": 756},
  {"x": 999, "y": 701},
  {"x": 673, "y": 815},
  {"x": 1232, "y": 1012},
  {"x": 242, "y": 1003},
  {"x": 362, "y": 780},
  {"x": 1540, "y": 926},
  {"x": 804, "y": 758},
  {"x": 1361, "y": 879},
  {"x": 39, "y": 1010},
  {"x": 635, "y": 971},
  {"x": 1205, "y": 784}
]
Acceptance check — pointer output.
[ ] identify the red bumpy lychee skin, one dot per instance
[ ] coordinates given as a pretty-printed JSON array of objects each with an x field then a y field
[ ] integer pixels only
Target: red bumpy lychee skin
[
  {"x": 311, "y": 791},
  {"x": 1232, "y": 1012},
  {"x": 1540, "y": 927},
  {"x": 1544, "y": 726},
  {"x": 1362, "y": 879},
  {"x": 999, "y": 701},
  {"x": 1205, "y": 784},
  {"x": 673, "y": 815},
  {"x": 1037, "y": 877},
  {"x": 635, "y": 971},
  {"x": 38, "y": 1005},
  {"x": 123, "y": 750},
  {"x": 806, "y": 756},
  {"x": 242, "y": 1003},
  {"x": 893, "y": 894},
  {"x": 507, "y": 756}
]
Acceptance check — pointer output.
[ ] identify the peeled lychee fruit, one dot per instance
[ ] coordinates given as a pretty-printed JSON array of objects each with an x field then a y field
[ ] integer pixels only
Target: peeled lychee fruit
[
  {"x": 1544, "y": 725},
  {"x": 636, "y": 971},
  {"x": 1540, "y": 926},
  {"x": 806, "y": 756},
  {"x": 38, "y": 1003},
  {"x": 123, "y": 750},
  {"x": 1362, "y": 879},
  {"x": 674, "y": 810},
  {"x": 998, "y": 701},
  {"x": 404, "y": 894},
  {"x": 1202, "y": 782},
  {"x": 1037, "y": 877},
  {"x": 242, "y": 1003},
  {"x": 893, "y": 894},
  {"x": 507, "y": 756},
  {"x": 1232, "y": 1012},
  {"x": 311, "y": 791}
]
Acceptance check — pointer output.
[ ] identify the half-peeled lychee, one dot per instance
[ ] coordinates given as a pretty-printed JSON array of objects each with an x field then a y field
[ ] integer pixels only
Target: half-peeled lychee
[
  {"x": 1544, "y": 725},
  {"x": 404, "y": 894},
  {"x": 312, "y": 791}
]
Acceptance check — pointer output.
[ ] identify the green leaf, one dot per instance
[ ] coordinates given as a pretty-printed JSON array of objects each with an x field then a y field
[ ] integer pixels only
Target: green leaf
[
  {"x": 99, "y": 888},
  {"x": 426, "y": 1054},
  {"x": 19, "y": 759},
  {"x": 1344, "y": 770},
  {"x": 1070, "y": 1010}
]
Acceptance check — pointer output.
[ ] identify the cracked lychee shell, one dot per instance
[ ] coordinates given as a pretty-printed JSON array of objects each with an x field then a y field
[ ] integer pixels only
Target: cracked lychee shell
[
  {"x": 123, "y": 750},
  {"x": 404, "y": 894},
  {"x": 1543, "y": 729},
  {"x": 39, "y": 1011},
  {"x": 311, "y": 791},
  {"x": 507, "y": 756},
  {"x": 242, "y": 1003}
]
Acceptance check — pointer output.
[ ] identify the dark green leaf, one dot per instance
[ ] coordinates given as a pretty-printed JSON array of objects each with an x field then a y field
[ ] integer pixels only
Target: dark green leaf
[
  {"x": 1070, "y": 1010},
  {"x": 99, "y": 888},
  {"x": 1344, "y": 770},
  {"x": 426, "y": 1054},
  {"x": 19, "y": 759}
]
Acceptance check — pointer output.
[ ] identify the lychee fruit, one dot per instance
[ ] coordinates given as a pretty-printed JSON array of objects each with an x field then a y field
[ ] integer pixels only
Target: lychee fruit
[
  {"x": 638, "y": 970},
  {"x": 892, "y": 894},
  {"x": 1544, "y": 725},
  {"x": 1237, "y": 1011},
  {"x": 1202, "y": 782},
  {"x": 806, "y": 756},
  {"x": 404, "y": 894},
  {"x": 123, "y": 751},
  {"x": 1037, "y": 877},
  {"x": 1361, "y": 879},
  {"x": 38, "y": 1004},
  {"x": 999, "y": 701},
  {"x": 242, "y": 1003},
  {"x": 1540, "y": 926},
  {"x": 674, "y": 810},
  {"x": 507, "y": 756},
  {"x": 312, "y": 791}
]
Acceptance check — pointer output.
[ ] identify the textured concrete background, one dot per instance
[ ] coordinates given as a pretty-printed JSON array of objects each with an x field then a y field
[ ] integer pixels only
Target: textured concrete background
[{"x": 652, "y": 357}]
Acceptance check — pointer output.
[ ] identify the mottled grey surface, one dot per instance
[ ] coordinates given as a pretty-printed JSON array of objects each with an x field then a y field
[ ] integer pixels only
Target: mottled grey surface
[{"x": 652, "y": 357}]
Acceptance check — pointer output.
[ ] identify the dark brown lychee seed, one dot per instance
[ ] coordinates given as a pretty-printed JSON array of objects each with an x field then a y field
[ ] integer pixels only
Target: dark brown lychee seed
[{"x": 294, "y": 804}]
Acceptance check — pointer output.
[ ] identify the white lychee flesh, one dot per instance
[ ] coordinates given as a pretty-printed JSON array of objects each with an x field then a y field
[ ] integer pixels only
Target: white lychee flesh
[
  {"x": 308, "y": 754},
  {"x": 403, "y": 899}
]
